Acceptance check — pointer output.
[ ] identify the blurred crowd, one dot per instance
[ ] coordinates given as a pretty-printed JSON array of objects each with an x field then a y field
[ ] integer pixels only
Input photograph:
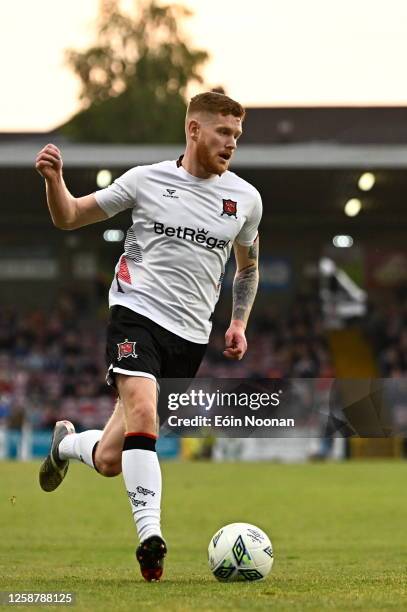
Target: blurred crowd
[
  {"x": 52, "y": 364},
  {"x": 387, "y": 329},
  {"x": 292, "y": 344}
]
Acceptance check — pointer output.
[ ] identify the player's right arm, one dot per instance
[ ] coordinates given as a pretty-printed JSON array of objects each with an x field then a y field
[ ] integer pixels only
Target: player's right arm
[{"x": 67, "y": 212}]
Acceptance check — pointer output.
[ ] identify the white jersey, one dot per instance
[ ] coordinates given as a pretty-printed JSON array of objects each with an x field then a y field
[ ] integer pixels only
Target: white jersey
[{"x": 177, "y": 248}]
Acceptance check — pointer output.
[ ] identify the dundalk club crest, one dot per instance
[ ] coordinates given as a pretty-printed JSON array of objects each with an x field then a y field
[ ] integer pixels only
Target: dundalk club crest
[
  {"x": 126, "y": 349},
  {"x": 229, "y": 208}
]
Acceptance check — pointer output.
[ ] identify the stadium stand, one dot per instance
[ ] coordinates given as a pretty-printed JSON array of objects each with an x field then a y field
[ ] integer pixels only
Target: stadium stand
[{"x": 52, "y": 363}]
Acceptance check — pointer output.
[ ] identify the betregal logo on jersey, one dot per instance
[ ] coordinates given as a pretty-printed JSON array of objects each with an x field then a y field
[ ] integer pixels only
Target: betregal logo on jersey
[{"x": 188, "y": 233}]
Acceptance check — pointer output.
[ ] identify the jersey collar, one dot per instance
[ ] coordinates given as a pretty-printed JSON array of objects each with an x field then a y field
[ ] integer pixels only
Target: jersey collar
[{"x": 191, "y": 177}]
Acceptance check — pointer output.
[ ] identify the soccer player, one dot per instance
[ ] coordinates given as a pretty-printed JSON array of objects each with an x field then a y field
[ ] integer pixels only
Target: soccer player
[{"x": 187, "y": 214}]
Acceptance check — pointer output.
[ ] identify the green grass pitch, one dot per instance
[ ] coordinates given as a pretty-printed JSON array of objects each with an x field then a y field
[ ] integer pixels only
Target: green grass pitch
[{"x": 339, "y": 532}]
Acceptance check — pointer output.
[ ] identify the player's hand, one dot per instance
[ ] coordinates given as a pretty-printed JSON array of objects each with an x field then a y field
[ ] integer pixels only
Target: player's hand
[
  {"x": 49, "y": 162},
  {"x": 235, "y": 341}
]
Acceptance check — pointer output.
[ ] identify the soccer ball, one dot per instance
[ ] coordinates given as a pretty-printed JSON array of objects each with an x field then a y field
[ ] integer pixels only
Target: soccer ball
[{"x": 240, "y": 551}]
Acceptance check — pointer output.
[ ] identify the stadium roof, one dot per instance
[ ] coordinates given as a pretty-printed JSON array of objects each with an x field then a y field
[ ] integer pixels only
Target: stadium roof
[
  {"x": 305, "y": 155},
  {"x": 344, "y": 125}
]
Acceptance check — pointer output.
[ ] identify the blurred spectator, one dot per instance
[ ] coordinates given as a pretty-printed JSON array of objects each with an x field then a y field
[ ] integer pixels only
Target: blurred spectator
[{"x": 386, "y": 326}]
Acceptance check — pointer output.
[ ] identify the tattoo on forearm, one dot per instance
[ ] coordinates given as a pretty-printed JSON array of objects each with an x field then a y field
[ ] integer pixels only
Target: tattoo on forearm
[
  {"x": 245, "y": 287},
  {"x": 244, "y": 292}
]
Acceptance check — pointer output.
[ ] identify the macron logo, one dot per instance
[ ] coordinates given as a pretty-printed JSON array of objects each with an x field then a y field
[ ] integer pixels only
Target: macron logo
[{"x": 170, "y": 194}]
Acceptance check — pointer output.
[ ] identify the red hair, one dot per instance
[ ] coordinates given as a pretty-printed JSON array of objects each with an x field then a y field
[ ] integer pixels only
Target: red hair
[{"x": 213, "y": 102}]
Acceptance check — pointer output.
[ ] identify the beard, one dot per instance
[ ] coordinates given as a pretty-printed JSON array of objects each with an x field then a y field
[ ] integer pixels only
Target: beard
[{"x": 209, "y": 162}]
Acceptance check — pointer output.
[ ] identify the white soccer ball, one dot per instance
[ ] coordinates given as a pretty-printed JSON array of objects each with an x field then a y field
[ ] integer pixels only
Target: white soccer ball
[{"x": 240, "y": 551}]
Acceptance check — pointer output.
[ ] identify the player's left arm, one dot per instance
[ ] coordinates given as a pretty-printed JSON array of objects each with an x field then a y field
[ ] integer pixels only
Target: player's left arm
[{"x": 244, "y": 291}]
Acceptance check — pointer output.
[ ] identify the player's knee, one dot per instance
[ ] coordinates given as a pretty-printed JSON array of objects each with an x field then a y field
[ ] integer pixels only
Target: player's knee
[
  {"x": 107, "y": 463},
  {"x": 108, "y": 469},
  {"x": 141, "y": 410}
]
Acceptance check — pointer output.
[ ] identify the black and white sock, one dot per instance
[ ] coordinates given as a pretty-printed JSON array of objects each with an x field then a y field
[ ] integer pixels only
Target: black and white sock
[{"x": 142, "y": 477}]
